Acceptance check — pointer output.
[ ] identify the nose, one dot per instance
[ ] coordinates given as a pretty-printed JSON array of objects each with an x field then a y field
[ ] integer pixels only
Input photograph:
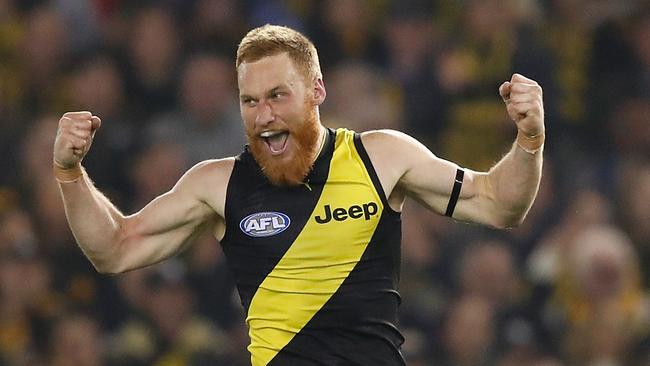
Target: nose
[{"x": 265, "y": 114}]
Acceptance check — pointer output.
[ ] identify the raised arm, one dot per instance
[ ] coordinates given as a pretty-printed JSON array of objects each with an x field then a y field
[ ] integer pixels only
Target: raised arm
[
  {"x": 114, "y": 242},
  {"x": 500, "y": 197}
]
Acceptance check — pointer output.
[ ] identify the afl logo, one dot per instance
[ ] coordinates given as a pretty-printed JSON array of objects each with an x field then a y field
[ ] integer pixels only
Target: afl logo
[{"x": 262, "y": 224}]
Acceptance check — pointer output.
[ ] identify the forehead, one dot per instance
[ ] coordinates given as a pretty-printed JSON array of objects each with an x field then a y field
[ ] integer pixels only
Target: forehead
[{"x": 267, "y": 73}]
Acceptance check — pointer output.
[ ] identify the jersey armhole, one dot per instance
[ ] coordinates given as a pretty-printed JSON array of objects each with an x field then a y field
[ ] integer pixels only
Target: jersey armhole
[
  {"x": 361, "y": 150},
  {"x": 227, "y": 209}
]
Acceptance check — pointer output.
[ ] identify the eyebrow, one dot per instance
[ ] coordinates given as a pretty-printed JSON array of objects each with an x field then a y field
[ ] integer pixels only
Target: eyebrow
[
  {"x": 274, "y": 90},
  {"x": 268, "y": 92}
]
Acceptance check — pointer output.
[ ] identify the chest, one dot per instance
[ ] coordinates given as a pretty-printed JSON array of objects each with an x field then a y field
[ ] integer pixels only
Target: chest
[{"x": 269, "y": 218}]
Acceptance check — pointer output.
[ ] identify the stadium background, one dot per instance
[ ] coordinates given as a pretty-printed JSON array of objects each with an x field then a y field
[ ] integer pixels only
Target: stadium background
[{"x": 568, "y": 287}]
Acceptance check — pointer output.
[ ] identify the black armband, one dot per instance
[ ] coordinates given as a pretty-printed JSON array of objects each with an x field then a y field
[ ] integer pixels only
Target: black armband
[{"x": 455, "y": 192}]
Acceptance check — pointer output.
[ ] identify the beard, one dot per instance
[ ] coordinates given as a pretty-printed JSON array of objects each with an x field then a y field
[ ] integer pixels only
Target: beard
[{"x": 289, "y": 169}]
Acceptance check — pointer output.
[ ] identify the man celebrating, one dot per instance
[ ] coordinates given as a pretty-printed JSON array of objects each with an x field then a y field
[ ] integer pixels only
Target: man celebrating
[{"x": 307, "y": 216}]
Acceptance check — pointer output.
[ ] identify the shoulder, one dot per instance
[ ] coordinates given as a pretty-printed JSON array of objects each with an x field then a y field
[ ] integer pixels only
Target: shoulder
[
  {"x": 389, "y": 144},
  {"x": 382, "y": 134},
  {"x": 397, "y": 155},
  {"x": 396, "y": 139},
  {"x": 207, "y": 182},
  {"x": 392, "y": 153},
  {"x": 212, "y": 168},
  {"x": 208, "y": 174}
]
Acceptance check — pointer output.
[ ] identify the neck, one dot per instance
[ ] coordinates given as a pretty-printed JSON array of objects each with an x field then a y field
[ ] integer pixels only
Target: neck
[{"x": 322, "y": 136}]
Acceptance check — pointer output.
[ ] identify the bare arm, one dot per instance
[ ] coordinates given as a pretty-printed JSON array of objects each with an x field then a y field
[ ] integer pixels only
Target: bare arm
[
  {"x": 506, "y": 192},
  {"x": 500, "y": 197},
  {"x": 114, "y": 242}
]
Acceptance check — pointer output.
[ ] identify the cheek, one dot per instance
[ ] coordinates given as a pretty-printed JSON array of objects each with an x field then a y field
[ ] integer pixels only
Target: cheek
[
  {"x": 293, "y": 113},
  {"x": 247, "y": 117}
]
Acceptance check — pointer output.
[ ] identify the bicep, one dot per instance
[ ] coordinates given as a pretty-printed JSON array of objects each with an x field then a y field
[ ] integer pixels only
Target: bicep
[
  {"x": 161, "y": 229},
  {"x": 165, "y": 226},
  {"x": 430, "y": 180}
]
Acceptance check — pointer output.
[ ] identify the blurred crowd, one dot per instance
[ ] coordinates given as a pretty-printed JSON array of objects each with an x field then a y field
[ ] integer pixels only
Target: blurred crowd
[{"x": 568, "y": 287}]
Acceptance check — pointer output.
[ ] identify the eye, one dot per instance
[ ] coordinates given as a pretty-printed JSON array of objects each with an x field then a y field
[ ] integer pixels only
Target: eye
[{"x": 250, "y": 102}]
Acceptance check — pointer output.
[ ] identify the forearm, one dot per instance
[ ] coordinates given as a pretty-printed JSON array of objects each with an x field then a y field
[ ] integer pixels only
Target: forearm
[
  {"x": 514, "y": 181},
  {"x": 94, "y": 221}
]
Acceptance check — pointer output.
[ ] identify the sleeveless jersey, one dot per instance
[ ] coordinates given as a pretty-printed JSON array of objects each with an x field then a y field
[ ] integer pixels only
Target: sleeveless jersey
[{"x": 316, "y": 265}]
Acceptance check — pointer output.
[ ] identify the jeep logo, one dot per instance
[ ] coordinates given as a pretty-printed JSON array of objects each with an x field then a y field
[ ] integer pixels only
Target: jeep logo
[
  {"x": 264, "y": 224},
  {"x": 366, "y": 211}
]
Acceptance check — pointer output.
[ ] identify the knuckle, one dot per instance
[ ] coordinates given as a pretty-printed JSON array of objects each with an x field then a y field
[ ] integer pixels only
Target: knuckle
[{"x": 82, "y": 125}]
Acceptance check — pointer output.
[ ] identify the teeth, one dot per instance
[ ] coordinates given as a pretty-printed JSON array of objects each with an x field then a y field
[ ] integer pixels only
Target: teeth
[{"x": 267, "y": 134}]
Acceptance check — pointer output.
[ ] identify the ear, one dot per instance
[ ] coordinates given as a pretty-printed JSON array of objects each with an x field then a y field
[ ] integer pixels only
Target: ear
[{"x": 319, "y": 92}]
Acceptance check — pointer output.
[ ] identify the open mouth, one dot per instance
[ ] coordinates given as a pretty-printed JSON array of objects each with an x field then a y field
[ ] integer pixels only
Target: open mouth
[{"x": 276, "y": 141}]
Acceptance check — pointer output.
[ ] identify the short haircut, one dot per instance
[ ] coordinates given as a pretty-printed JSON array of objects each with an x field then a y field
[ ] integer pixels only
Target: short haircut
[{"x": 270, "y": 40}]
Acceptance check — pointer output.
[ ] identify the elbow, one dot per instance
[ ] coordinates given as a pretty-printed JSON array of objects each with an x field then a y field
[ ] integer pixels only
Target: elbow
[
  {"x": 106, "y": 270},
  {"x": 501, "y": 210},
  {"x": 101, "y": 264},
  {"x": 509, "y": 223},
  {"x": 108, "y": 267},
  {"x": 111, "y": 269},
  {"x": 113, "y": 261},
  {"x": 509, "y": 219}
]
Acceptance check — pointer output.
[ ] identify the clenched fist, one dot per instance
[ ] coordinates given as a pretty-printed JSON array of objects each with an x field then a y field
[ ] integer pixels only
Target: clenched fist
[
  {"x": 523, "y": 98},
  {"x": 74, "y": 137}
]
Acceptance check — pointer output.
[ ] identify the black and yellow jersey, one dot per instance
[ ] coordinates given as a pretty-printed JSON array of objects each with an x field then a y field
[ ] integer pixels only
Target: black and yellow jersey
[{"x": 316, "y": 265}]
